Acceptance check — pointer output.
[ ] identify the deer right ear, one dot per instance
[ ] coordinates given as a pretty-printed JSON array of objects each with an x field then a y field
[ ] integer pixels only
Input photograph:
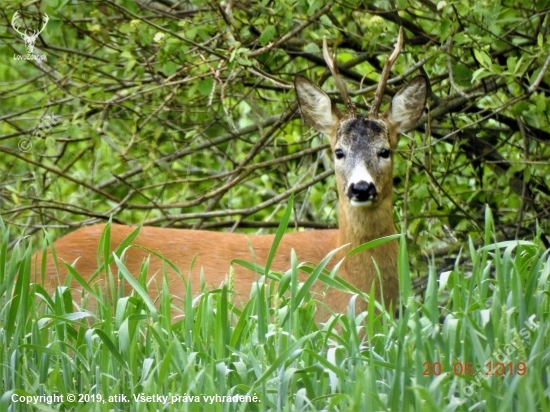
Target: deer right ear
[
  {"x": 316, "y": 106},
  {"x": 408, "y": 104}
]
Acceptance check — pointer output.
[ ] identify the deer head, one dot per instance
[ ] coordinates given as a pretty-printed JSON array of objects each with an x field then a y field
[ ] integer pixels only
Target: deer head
[
  {"x": 363, "y": 145},
  {"x": 29, "y": 39}
]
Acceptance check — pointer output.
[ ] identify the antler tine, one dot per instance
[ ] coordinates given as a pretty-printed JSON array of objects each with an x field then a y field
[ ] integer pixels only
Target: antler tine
[
  {"x": 338, "y": 80},
  {"x": 385, "y": 74}
]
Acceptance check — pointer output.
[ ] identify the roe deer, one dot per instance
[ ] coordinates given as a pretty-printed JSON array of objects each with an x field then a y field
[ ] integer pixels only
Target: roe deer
[{"x": 362, "y": 148}]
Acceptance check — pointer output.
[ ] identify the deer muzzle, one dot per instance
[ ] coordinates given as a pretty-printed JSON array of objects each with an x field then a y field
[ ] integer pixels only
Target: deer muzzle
[{"x": 362, "y": 193}]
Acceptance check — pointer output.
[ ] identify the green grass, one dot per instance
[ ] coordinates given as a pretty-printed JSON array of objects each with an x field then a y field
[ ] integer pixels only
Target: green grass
[{"x": 274, "y": 352}]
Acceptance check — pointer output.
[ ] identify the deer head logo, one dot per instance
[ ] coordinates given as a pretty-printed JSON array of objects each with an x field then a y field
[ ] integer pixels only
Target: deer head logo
[{"x": 29, "y": 39}]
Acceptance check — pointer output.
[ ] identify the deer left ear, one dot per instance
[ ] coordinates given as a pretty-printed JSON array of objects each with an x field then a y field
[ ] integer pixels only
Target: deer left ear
[
  {"x": 316, "y": 106},
  {"x": 408, "y": 104}
]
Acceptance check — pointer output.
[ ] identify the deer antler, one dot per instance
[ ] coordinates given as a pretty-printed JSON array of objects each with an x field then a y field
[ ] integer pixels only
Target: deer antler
[
  {"x": 385, "y": 74},
  {"x": 15, "y": 24},
  {"x": 338, "y": 80}
]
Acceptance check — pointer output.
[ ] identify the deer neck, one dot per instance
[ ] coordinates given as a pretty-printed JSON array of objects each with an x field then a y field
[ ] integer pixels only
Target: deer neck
[{"x": 359, "y": 225}]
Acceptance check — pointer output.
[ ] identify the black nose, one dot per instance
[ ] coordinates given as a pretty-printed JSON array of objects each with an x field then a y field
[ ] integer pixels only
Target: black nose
[{"x": 362, "y": 191}]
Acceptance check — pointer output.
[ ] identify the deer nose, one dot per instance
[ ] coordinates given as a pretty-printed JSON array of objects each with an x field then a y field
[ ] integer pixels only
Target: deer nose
[{"x": 362, "y": 192}]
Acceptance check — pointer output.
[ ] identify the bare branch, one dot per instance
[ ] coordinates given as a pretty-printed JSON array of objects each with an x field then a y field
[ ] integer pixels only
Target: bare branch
[
  {"x": 292, "y": 33},
  {"x": 539, "y": 78}
]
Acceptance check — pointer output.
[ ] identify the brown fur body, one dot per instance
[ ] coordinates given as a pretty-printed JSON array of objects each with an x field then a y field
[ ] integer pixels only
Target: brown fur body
[
  {"x": 213, "y": 252},
  {"x": 363, "y": 149}
]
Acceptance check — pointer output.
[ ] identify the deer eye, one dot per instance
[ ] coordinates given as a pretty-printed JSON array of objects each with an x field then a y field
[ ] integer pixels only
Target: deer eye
[
  {"x": 339, "y": 153},
  {"x": 385, "y": 153}
]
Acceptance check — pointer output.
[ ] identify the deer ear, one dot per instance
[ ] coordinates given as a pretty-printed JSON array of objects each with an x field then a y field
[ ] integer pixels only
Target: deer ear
[
  {"x": 408, "y": 104},
  {"x": 316, "y": 106}
]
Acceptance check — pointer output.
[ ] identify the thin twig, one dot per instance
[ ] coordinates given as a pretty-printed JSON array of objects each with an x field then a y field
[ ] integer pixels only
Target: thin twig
[
  {"x": 539, "y": 78},
  {"x": 292, "y": 33}
]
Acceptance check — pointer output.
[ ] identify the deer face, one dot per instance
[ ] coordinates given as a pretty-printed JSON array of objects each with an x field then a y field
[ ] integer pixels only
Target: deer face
[
  {"x": 362, "y": 160},
  {"x": 362, "y": 146}
]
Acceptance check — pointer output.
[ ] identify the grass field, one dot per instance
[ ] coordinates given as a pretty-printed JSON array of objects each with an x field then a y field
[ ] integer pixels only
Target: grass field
[{"x": 478, "y": 341}]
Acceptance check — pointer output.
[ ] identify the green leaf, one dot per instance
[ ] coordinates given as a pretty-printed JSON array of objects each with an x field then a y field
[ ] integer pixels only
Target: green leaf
[
  {"x": 244, "y": 62},
  {"x": 74, "y": 131},
  {"x": 480, "y": 74},
  {"x": 483, "y": 58},
  {"x": 312, "y": 48},
  {"x": 191, "y": 33},
  {"x": 373, "y": 243},
  {"x": 205, "y": 86},
  {"x": 520, "y": 107},
  {"x": 511, "y": 64},
  {"x": 462, "y": 75},
  {"x": 280, "y": 233},
  {"x": 126, "y": 28},
  {"x": 314, "y": 6},
  {"x": 137, "y": 287},
  {"x": 169, "y": 68},
  {"x": 145, "y": 36},
  {"x": 268, "y": 35}
]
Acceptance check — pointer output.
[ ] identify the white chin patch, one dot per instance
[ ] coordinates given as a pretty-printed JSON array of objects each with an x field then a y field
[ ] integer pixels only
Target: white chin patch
[{"x": 356, "y": 203}]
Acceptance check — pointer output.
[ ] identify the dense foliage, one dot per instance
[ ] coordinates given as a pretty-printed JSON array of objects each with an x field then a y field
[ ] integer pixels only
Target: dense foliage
[{"x": 183, "y": 113}]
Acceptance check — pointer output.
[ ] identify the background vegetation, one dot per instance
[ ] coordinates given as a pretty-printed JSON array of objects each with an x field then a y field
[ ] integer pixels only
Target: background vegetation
[{"x": 182, "y": 114}]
